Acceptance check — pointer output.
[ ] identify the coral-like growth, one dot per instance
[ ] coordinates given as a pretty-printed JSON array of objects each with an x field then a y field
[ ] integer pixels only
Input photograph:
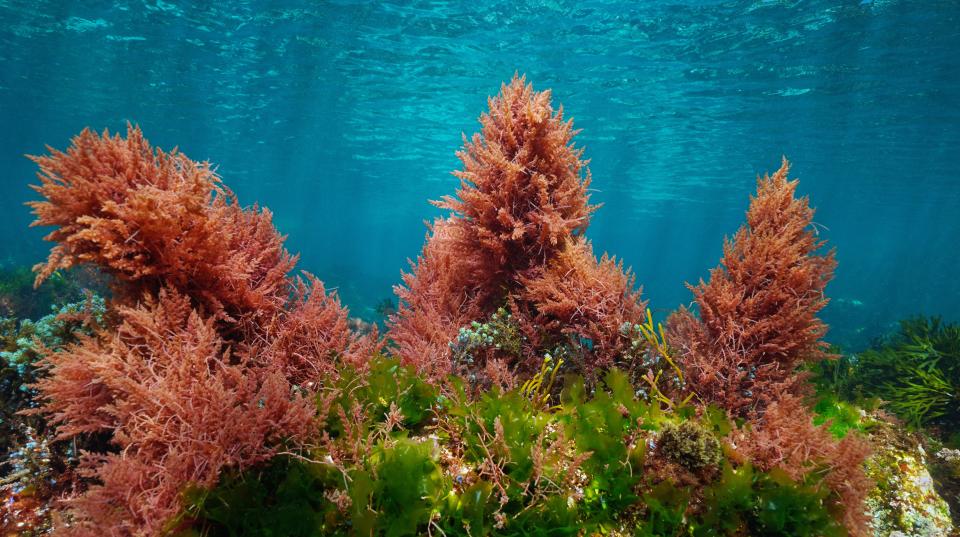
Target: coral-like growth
[
  {"x": 153, "y": 219},
  {"x": 213, "y": 359},
  {"x": 179, "y": 404},
  {"x": 514, "y": 239},
  {"x": 758, "y": 311},
  {"x": 757, "y": 326}
]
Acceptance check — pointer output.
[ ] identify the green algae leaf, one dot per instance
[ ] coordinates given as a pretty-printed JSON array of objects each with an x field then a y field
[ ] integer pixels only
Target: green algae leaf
[
  {"x": 398, "y": 495},
  {"x": 666, "y": 505},
  {"x": 716, "y": 420},
  {"x": 729, "y": 502},
  {"x": 840, "y": 417}
]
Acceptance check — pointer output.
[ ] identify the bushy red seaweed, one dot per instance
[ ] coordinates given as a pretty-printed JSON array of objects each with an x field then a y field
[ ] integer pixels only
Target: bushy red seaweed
[
  {"x": 153, "y": 219},
  {"x": 757, "y": 313},
  {"x": 180, "y": 405},
  {"x": 514, "y": 239},
  {"x": 212, "y": 342},
  {"x": 786, "y": 438},
  {"x": 757, "y": 325},
  {"x": 577, "y": 295}
]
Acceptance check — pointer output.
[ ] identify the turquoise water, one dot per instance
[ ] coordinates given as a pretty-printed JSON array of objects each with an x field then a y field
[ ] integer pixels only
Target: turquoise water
[{"x": 344, "y": 119}]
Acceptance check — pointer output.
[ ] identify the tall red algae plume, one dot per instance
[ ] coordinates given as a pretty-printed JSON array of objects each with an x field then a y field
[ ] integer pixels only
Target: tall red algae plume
[
  {"x": 757, "y": 325},
  {"x": 524, "y": 186},
  {"x": 152, "y": 219},
  {"x": 758, "y": 313},
  {"x": 522, "y": 205},
  {"x": 211, "y": 340}
]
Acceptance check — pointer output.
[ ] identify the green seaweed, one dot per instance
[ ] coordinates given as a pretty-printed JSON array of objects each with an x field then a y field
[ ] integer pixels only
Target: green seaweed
[
  {"x": 501, "y": 464},
  {"x": 841, "y": 416},
  {"x": 915, "y": 373}
]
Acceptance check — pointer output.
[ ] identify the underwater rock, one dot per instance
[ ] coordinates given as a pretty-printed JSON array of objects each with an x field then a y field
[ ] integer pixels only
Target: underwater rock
[
  {"x": 904, "y": 502},
  {"x": 945, "y": 468}
]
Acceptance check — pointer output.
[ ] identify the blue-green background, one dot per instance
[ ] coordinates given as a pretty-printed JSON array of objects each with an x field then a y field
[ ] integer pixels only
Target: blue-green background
[{"x": 344, "y": 117}]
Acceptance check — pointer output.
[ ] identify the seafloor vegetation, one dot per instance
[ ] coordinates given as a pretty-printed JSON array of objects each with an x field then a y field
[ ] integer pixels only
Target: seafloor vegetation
[{"x": 521, "y": 386}]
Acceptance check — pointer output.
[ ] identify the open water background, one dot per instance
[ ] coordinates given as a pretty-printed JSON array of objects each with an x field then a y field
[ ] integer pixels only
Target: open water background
[{"x": 343, "y": 118}]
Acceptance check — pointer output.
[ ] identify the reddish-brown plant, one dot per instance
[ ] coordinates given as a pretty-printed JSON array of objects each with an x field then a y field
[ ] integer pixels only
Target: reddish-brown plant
[
  {"x": 153, "y": 219},
  {"x": 521, "y": 208},
  {"x": 443, "y": 293},
  {"x": 179, "y": 406},
  {"x": 757, "y": 325},
  {"x": 579, "y": 296},
  {"x": 211, "y": 338},
  {"x": 758, "y": 312},
  {"x": 312, "y": 335},
  {"x": 523, "y": 187},
  {"x": 786, "y": 438}
]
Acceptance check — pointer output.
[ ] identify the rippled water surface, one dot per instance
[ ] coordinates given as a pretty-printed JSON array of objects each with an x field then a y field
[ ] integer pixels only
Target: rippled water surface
[{"x": 344, "y": 118}]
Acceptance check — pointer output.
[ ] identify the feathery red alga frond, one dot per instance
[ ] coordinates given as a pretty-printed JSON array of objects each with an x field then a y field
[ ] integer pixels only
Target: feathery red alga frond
[
  {"x": 786, "y": 438},
  {"x": 758, "y": 312},
  {"x": 153, "y": 219},
  {"x": 179, "y": 404},
  {"x": 578, "y": 295},
  {"x": 444, "y": 292},
  {"x": 524, "y": 186},
  {"x": 757, "y": 325},
  {"x": 214, "y": 338},
  {"x": 521, "y": 209},
  {"x": 312, "y": 335}
]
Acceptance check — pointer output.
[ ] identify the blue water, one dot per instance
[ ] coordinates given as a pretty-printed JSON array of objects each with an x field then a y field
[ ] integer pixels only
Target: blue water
[{"x": 344, "y": 117}]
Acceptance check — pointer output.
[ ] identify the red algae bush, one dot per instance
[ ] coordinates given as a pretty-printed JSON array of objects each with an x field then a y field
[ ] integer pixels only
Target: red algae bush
[
  {"x": 212, "y": 348},
  {"x": 519, "y": 389},
  {"x": 515, "y": 240},
  {"x": 757, "y": 320},
  {"x": 180, "y": 408},
  {"x": 156, "y": 220},
  {"x": 757, "y": 328}
]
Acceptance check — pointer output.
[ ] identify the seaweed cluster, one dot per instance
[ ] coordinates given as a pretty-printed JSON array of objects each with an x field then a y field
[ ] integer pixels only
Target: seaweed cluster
[
  {"x": 522, "y": 387},
  {"x": 211, "y": 348},
  {"x": 515, "y": 240},
  {"x": 35, "y": 469},
  {"x": 441, "y": 462},
  {"x": 916, "y": 373}
]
